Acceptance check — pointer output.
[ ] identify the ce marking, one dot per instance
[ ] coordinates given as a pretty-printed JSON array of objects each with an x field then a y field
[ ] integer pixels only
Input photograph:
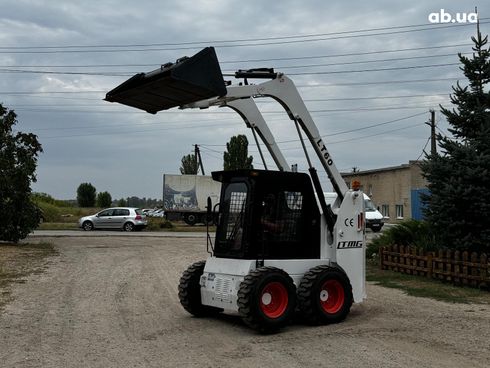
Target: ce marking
[{"x": 349, "y": 222}]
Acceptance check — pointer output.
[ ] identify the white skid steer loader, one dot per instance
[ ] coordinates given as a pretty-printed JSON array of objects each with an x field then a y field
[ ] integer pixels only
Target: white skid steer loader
[{"x": 279, "y": 248}]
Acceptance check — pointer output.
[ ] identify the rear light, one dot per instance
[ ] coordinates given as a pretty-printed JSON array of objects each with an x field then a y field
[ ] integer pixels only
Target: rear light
[{"x": 138, "y": 217}]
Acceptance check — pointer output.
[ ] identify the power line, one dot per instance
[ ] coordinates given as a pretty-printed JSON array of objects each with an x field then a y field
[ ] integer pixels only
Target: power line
[
  {"x": 63, "y": 49},
  {"x": 367, "y": 136},
  {"x": 192, "y": 126},
  {"x": 360, "y": 109},
  {"x": 274, "y": 59},
  {"x": 337, "y": 133},
  {"x": 376, "y": 70},
  {"x": 104, "y": 105},
  {"x": 365, "y": 61},
  {"x": 226, "y": 41},
  {"x": 127, "y": 74},
  {"x": 100, "y": 74},
  {"x": 363, "y": 127},
  {"x": 194, "y": 123},
  {"x": 348, "y": 54},
  {"x": 423, "y": 149},
  {"x": 401, "y": 81}
]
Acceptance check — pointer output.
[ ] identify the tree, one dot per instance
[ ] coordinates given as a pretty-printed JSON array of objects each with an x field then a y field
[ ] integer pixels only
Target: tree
[
  {"x": 86, "y": 195},
  {"x": 458, "y": 206},
  {"x": 18, "y": 161},
  {"x": 104, "y": 199},
  {"x": 121, "y": 202},
  {"x": 236, "y": 156},
  {"x": 189, "y": 165}
]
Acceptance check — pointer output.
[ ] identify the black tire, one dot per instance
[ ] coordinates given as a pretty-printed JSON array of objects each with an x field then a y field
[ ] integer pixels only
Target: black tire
[
  {"x": 128, "y": 226},
  {"x": 267, "y": 299},
  {"x": 190, "y": 292},
  {"x": 88, "y": 226},
  {"x": 190, "y": 219},
  {"x": 324, "y": 295}
]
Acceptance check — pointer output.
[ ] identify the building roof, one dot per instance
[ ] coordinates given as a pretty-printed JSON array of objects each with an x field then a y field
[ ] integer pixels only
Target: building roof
[{"x": 383, "y": 169}]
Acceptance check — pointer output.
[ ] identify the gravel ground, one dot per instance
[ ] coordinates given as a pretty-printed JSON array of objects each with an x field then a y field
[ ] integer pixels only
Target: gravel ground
[{"x": 112, "y": 302}]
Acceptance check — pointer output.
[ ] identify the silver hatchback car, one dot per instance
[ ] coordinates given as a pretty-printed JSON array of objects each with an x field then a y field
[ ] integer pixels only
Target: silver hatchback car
[{"x": 124, "y": 218}]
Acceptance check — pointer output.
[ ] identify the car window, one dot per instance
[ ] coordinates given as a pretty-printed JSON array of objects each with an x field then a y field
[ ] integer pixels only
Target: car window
[
  {"x": 106, "y": 213},
  {"x": 139, "y": 211},
  {"x": 121, "y": 212}
]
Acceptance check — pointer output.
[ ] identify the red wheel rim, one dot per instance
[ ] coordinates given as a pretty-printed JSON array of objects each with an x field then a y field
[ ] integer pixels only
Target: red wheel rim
[
  {"x": 332, "y": 296},
  {"x": 274, "y": 299}
]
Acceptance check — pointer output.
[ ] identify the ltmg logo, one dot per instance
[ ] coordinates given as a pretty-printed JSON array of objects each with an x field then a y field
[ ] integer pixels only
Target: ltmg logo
[{"x": 443, "y": 17}]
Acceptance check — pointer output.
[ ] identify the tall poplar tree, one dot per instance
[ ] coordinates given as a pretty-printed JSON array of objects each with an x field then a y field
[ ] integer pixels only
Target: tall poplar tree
[
  {"x": 188, "y": 165},
  {"x": 236, "y": 155}
]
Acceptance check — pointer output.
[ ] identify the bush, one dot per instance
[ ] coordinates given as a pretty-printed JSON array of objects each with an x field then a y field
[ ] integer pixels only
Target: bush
[
  {"x": 46, "y": 198},
  {"x": 51, "y": 213},
  {"x": 158, "y": 223},
  {"x": 411, "y": 232}
]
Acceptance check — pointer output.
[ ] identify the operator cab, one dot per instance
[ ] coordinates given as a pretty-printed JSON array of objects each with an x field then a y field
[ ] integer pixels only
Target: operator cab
[{"x": 267, "y": 215}]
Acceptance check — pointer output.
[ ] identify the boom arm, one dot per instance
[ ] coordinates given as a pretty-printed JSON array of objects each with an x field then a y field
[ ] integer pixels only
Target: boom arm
[
  {"x": 249, "y": 112},
  {"x": 283, "y": 90}
]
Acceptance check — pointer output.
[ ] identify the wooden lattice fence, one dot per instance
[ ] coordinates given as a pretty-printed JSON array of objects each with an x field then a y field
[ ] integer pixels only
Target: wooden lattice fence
[{"x": 462, "y": 268}]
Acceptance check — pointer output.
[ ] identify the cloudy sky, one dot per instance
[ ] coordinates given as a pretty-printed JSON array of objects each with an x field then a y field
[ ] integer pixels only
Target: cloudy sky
[{"x": 369, "y": 71}]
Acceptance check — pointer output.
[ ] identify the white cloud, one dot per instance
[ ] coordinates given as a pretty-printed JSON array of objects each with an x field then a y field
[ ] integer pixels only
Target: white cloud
[{"x": 125, "y": 151}]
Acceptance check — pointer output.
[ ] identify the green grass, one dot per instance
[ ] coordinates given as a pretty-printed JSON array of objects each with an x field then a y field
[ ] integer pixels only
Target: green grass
[{"x": 420, "y": 286}]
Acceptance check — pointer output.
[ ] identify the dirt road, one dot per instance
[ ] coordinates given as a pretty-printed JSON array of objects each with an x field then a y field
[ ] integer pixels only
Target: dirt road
[{"x": 112, "y": 302}]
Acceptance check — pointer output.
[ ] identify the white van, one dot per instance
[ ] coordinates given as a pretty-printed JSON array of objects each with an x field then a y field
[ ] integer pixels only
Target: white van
[{"x": 374, "y": 218}]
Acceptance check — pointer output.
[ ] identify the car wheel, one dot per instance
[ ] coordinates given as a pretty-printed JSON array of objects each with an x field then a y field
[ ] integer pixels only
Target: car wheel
[
  {"x": 88, "y": 226},
  {"x": 128, "y": 226},
  {"x": 190, "y": 219}
]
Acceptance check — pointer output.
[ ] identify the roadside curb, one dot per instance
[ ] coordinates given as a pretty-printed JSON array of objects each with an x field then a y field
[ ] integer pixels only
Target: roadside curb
[{"x": 107, "y": 234}]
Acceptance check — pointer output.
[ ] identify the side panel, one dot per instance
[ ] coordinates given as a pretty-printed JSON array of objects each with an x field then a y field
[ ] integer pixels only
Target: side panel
[
  {"x": 296, "y": 268},
  {"x": 350, "y": 242},
  {"x": 222, "y": 277},
  {"x": 221, "y": 281},
  {"x": 189, "y": 192}
]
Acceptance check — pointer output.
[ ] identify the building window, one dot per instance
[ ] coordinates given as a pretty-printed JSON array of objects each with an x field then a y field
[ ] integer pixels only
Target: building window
[
  {"x": 399, "y": 211},
  {"x": 385, "y": 210}
]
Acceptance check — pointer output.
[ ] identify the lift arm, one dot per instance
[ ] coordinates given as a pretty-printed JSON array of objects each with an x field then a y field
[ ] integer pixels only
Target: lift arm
[
  {"x": 283, "y": 90},
  {"x": 254, "y": 120}
]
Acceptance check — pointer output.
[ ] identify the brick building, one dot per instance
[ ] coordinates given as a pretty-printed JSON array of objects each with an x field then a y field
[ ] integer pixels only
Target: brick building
[{"x": 394, "y": 190}]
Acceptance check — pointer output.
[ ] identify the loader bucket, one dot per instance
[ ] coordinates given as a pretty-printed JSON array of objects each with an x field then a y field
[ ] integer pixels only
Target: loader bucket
[{"x": 187, "y": 80}]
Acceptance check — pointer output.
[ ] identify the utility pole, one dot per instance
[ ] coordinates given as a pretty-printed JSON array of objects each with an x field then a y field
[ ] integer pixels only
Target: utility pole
[
  {"x": 197, "y": 154},
  {"x": 432, "y": 123}
]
